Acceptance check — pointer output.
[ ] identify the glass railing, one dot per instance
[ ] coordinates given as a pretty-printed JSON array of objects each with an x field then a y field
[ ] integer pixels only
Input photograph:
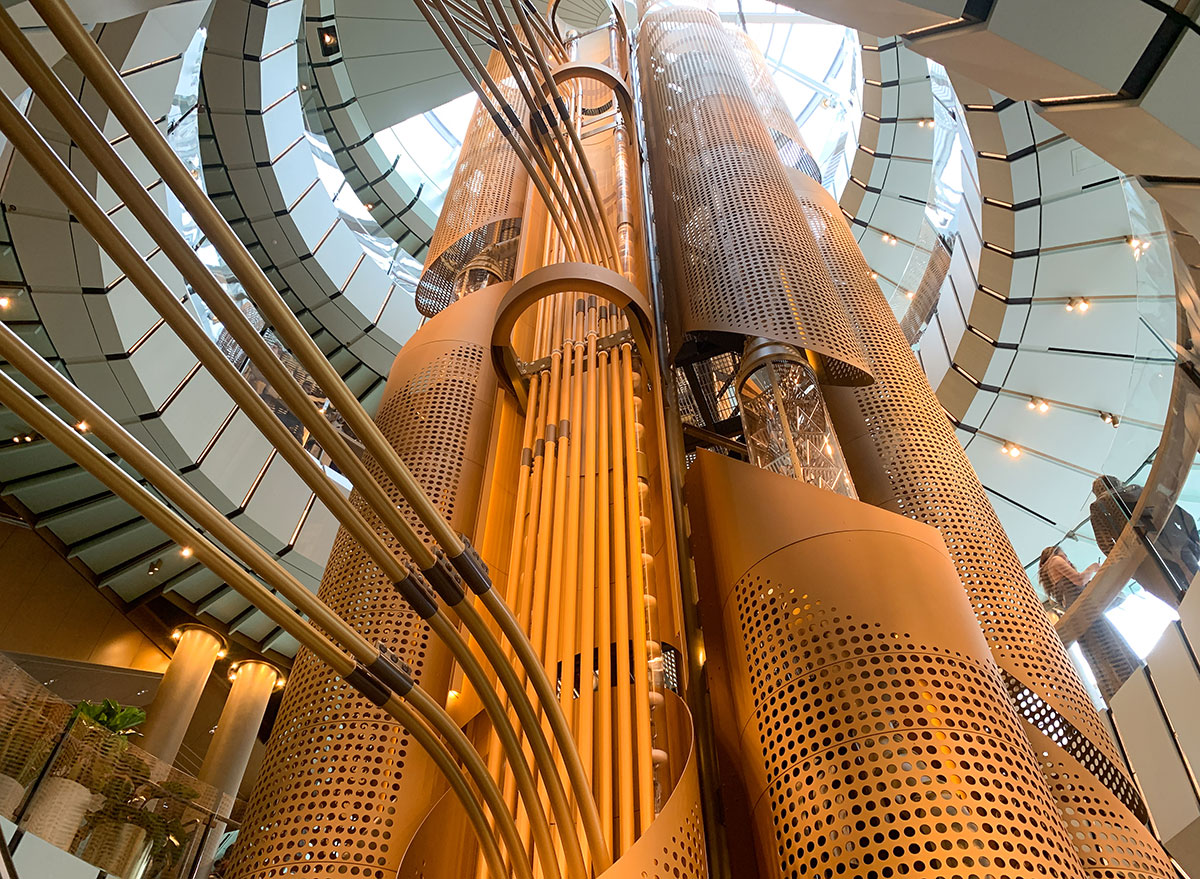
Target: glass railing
[{"x": 96, "y": 795}]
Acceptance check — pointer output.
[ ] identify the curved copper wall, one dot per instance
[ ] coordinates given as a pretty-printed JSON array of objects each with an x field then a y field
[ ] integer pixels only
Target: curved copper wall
[
  {"x": 905, "y": 457},
  {"x": 480, "y": 218},
  {"x": 873, "y": 729},
  {"x": 343, "y": 788},
  {"x": 737, "y": 251}
]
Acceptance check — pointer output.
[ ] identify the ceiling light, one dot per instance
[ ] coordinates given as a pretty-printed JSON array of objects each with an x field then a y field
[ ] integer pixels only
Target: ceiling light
[
  {"x": 1038, "y": 404},
  {"x": 155, "y": 567},
  {"x": 1137, "y": 245},
  {"x": 1110, "y": 418},
  {"x": 186, "y": 552},
  {"x": 1078, "y": 303},
  {"x": 177, "y": 634},
  {"x": 909, "y": 294},
  {"x": 874, "y": 275},
  {"x": 5, "y": 302},
  {"x": 82, "y": 427},
  {"x": 1010, "y": 449}
]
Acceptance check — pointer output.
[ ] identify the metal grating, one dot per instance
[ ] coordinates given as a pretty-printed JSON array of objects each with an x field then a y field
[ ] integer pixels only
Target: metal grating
[{"x": 737, "y": 250}]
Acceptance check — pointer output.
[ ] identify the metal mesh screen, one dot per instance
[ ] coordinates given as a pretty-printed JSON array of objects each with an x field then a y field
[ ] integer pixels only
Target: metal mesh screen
[
  {"x": 736, "y": 249},
  {"x": 910, "y": 461},
  {"x": 341, "y": 786},
  {"x": 482, "y": 209}
]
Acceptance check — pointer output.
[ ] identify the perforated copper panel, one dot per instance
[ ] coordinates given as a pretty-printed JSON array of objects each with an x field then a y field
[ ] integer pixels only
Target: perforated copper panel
[
  {"x": 875, "y": 735},
  {"x": 781, "y": 125},
  {"x": 736, "y": 250},
  {"x": 342, "y": 787},
  {"x": 904, "y": 456},
  {"x": 482, "y": 208}
]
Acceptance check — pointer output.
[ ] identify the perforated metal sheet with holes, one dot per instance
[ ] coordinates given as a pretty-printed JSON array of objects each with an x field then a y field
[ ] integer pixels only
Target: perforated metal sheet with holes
[
  {"x": 780, "y": 122},
  {"x": 905, "y": 457},
  {"x": 736, "y": 248},
  {"x": 914, "y": 739},
  {"x": 482, "y": 207},
  {"x": 874, "y": 732},
  {"x": 342, "y": 787}
]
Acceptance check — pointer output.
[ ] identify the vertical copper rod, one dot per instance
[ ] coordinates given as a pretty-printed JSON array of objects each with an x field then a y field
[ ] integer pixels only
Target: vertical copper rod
[
  {"x": 637, "y": 596},
  {"x": 626, "y": 767},
  {"x": 604, "y": 721},
  {"x": 587, "y": 586}
]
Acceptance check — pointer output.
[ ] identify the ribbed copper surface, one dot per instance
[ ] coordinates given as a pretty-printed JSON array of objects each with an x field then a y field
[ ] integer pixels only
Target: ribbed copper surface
[
  {"x": 343, "y": 788},
  {"x": 905, "y": 457},
  {"x": 481, "y": 211},
  {"x": 735, "y": 248}
]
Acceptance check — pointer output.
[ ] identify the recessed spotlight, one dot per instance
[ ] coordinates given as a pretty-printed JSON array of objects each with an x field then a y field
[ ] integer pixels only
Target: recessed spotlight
[
  {"x": 186, "y": 552},
  {"x": 5, "y": 302}
]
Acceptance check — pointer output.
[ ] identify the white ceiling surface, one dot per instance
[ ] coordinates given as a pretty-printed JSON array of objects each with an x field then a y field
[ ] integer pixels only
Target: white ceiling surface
[
  {"x": 82, "y": 310},
  {"x": 1069, "y": 242},
  {"x": 395, "y": 62}
]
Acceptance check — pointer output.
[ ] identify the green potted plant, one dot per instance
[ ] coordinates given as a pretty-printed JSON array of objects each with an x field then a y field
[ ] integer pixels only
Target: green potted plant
[{"x": 85, "y": 764}]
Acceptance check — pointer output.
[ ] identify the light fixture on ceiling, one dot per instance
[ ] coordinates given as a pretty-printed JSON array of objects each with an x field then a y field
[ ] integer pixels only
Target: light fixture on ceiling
[
  {"x": 1110, "y": 418},
  {"x": 5, "y": 302},
  {"x": 329, "y": 40},
  {"x": 186, "y": 552},
  {"x": 82, "y": 426},
  {"x": 177, "y": 634},
  {"x": 1038, "y": 404},
  {"x": 1137, "y": 245},
  {"x": 1010, "y": 449},
  {"x": 909, "y": 294},
  {"x": 1078, "y": 303},
  {"x": 874, "y": 276},
  {"x": 155, "y": 567},
  {"x": 925, "y": 123},
  {"x": 888, "y": 239}
]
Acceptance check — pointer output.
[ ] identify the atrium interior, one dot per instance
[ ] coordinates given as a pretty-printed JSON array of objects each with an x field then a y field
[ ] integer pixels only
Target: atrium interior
[{"x": 673, "y": 439}]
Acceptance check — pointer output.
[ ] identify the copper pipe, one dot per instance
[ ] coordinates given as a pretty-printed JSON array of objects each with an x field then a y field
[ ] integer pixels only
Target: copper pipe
[
  {"x": 637, "y": 597},
  {"x": 145, "y": 134},
  {"x": 517, "y": 64},
  {"x": 604, "y": 639},
  {"x": 46, "y": 162},
  {"x": 626, "y": 756},
  {"x": 508, "y": 122},
  {"x": 554, "y": 96},
  {"x": 176, "y": 490},
  {"x": 587, "y": 585}
]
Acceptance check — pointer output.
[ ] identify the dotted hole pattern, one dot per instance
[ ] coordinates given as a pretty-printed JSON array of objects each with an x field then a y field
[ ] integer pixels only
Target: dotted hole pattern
[
  {"x": 886, "y": 756},
  {"x": 325, "y": 803}
]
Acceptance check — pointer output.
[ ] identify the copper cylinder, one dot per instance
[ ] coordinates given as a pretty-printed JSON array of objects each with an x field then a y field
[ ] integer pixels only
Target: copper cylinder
[
  {"x": 856, "y": 693},
  {"x": 334, "y": 761}
]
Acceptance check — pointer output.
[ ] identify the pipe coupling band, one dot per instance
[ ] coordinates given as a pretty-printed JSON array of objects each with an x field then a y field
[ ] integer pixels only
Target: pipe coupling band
[
  {"x": 444, "y": 580},
  {"x": 371, "y": 687},
  {"x": 419, "y": 596},
  {"x": 472, "y": 569},
  {"x": 392, "y": 671}
]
